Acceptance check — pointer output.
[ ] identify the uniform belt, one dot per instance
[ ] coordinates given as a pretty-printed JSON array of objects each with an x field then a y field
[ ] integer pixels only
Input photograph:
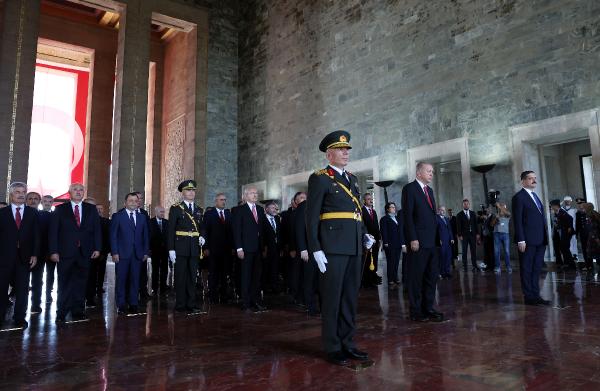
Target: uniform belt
[
  {"x": 186, "y": 233},
  {"x": 341, "y": 215}
]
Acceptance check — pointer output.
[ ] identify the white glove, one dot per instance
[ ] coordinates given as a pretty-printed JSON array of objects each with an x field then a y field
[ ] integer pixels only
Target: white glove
[
  {"x": 172, "y": 256},
  {"x": 321, "y": 260},
  {"x": 201, "y": 241},
  {"x": 369, "y": 241},
  {"x": 304, "y": 255}
]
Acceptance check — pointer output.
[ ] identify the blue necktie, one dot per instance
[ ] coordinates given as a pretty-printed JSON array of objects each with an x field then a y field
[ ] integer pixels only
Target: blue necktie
[
  {"x": 537, "y": 201},
  {"x": 131, "y": 218}
]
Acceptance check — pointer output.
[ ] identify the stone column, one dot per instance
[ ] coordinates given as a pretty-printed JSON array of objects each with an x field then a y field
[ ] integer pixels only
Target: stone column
[
  {"x": 17, "y": 74},
  {"x": 131, "y": 101}
]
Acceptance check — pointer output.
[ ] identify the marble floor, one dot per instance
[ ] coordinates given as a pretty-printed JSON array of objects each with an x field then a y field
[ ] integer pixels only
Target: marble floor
[{"x": 490, "y": 342}]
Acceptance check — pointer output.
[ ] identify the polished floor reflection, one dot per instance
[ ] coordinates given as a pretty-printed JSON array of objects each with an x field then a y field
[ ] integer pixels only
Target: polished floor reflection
[{"x": 490, "y": 342}]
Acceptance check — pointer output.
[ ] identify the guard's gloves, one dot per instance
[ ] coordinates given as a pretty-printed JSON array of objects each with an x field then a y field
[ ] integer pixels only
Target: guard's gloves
[
  {"x": 172, "y": 256},
  {"x": 201, "y": 241},
  {"x": 321, "y": 260},
  {"x": 368, "y": 241}
]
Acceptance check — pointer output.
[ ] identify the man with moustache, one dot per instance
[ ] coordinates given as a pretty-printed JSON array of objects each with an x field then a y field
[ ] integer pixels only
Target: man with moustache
[
  {"x": 19, "y": 249},
  {"x": 219, "y": 240},
  {"x": 531, "y": 237},
  {"x": 335, "y": 239}
]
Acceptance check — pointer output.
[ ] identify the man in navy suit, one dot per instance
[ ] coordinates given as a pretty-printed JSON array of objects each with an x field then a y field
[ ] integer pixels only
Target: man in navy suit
[
  {"x": 392, "y": 236},
  {"x": 248, "y": 222},
  {"x": 531, "y": 237},
  {"x": 219, "y": 243},
  {"x": 446, "y": 243},
  {"x": 19, "y": 249},
  {"x": 129, "y": 248},
  {"x": 420, "y": 231},
  {"x": 75, "y": 237}
]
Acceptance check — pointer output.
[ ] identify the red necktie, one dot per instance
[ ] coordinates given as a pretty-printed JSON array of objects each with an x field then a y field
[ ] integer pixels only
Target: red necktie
[
  {"x": 371, "y": 213},
  {"x": 254, "y": 213},
  {"x": 18, "y": 217},
  {"x": 77, "y": 216},
  {"x": 428, "y": 198},
  {"x": 221, "y": 216}
]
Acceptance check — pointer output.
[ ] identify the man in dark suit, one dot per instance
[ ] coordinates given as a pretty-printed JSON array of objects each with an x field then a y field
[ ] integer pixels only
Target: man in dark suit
[
  {"x": 370, "y": 278},
  {"x": 272, "y": 247},
  {"x": 219, "y": 242},
  {"x": 184, "y": 239},
  {"x": 452, "y": 219},
  {"x": 98, "y": 289},
  {"x": 19, "y": 249},
  {"x": 531, "y": 237},
  {"x": 75, "y": 237},
  {"x": 446, "y": 242},
  {"x": 158, "y": 250},
  {"x": 392, "y": 237},
  {"x": 248, "y": 222},
  {"x": 420, "y": 231},
  {"x": 335, "y": 234},
  {"x": 97, "y": 265},
  {"x": 47, "y": 203},
  {"x": 129, "y": 248},
  {"x": 311, "y": 271},
  {"x": 466, "y": 227},
  {"x": 143, "y": 283},
  {"x": 33, "y": 200},
  {"x": 564, "y": 230}
]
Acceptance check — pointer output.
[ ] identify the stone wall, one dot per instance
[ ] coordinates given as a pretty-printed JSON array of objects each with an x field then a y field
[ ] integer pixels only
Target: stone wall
[{"x": 399, "y": 74}]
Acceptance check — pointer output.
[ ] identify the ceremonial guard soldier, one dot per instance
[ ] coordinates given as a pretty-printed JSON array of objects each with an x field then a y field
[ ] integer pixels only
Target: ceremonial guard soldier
[
  {"x": 184, "y": 242},
  {"x": 335, "y": 233}
]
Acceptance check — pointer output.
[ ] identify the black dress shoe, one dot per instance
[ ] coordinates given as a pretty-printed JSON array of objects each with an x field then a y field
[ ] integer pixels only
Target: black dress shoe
[
  {"x": 80, "y": 317},
  {"x": 90, "y": 303},
  {"x": 35, "y": 310},
  {"x": 356, "y": 354},
  {"x": 337, "y": 358},
  {"x": 122, "y": 311},
  {"x": 180, "y": 310},
  {"x": 543, "y": 302},
  {"x": 134, "y": 309},
  {"x": 60, "y": 319},
  {"x": 193, "y": 310},
  {"x": 531, "y": 302},
  {"x": 419, "y": 318},
  {"x": 260, "y": 307},
  {"x": 21, "y": 323},
  {"x": 434, "y": 316}
]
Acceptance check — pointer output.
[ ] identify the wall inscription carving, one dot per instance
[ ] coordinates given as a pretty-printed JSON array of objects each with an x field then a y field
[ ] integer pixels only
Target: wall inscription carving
[{"x": 174, "y": 160}]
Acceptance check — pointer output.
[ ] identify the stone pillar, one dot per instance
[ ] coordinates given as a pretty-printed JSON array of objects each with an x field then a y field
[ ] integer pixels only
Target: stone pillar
[
  {"x": 17, "y": 74},
  {"x": 131, "y": 101}
]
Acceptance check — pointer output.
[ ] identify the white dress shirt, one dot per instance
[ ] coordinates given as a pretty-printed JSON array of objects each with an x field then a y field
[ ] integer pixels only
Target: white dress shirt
[{"x": 14, "y": 210}]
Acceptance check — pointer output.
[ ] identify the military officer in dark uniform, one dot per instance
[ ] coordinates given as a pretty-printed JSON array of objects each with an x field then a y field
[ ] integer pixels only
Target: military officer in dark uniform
[
  {"x": 335, "y": 238},
  {"x": 184, "y": 240}
]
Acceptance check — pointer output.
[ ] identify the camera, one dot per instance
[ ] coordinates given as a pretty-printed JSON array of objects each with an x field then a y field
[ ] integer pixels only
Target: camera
[{"x": 493, "y": 196}]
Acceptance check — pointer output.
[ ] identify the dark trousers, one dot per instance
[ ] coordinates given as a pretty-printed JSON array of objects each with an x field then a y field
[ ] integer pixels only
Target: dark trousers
[
  {"x": 96, "y": 277},
  {"x": 455, "y": 248},
  {"x": 588, "y": 260},
  {"x": 50, "y": 271},
  {"x": 271, "y": 270},
  {"x": 488, "y": 252},
  {"x": 565, "y": 250},
  {"x": 530, "y": 263},
  {"x": 311, "y": 284},
  {"x": 143, "y": 279},
  {"x": 469, "y": 242},
  {"x": 392, "y": 256},
  {"x": 37, "y": 282},
  {"x": 186, "y": 269},
  {"x": 370, "y": 277},
  {"x": 127, "y": 270},
  {"x": 339, "y": 287},
  {"x": 445, "y": 259},
  {"x": 218, "y": 269},
  {"x": 15, "y": 273},
  {"x": 422, "y": 279},
  {"x": 72, "y": 283},
  {"x": 297, "y": 274},
  {"x": 160, "y": 270},
  {"x": 556, "y": 247},
  {"x": 251, "y": 267}
]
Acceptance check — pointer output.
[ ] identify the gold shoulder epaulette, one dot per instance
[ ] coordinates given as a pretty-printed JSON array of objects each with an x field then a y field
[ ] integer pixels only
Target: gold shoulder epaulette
[
  {"x": 176, "y": 204},
  {"x": 321, "y": 172}
]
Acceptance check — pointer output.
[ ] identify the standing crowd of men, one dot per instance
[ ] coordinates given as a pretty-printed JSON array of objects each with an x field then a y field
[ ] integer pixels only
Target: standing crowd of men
[{"x": 319, "y": 251}]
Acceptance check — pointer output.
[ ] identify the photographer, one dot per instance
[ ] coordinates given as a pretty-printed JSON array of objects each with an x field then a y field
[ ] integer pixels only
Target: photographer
[
  {"x": 485, "y": 220},
  {"x": 501, "y": 237}
]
